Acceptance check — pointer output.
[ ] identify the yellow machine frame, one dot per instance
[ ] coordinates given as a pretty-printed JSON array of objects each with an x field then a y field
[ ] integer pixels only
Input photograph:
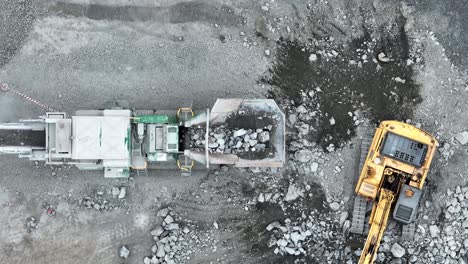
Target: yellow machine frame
[{"x": 376, "y": 167}]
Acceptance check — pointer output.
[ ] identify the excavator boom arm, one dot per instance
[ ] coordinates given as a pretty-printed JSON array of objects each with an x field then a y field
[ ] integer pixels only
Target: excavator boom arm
[{"x": 378, "y": 223}]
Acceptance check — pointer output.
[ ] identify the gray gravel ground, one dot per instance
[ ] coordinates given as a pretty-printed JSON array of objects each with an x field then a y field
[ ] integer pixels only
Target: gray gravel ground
[{"x": 79, "y": 54}]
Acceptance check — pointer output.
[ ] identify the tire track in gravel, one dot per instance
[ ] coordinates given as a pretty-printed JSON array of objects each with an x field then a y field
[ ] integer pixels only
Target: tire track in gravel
[{"x": 242, "y": 235}]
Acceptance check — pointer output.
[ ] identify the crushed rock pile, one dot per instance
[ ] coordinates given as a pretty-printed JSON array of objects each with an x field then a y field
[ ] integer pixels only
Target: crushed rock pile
[
  {"x": 315, "y": 236},
  {"x": 445, "y": 242},
  {"x": 224, "y": 140},
  {"x": 171, "y": 240},
  {"x": 322, "y": 236},
  {"x": 100, "y": 202}
]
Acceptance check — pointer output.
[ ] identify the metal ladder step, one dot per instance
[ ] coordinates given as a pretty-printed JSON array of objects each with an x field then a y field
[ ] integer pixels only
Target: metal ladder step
[
  {"x": 185, "y": 165},
  {"x": 142, "y": 172}
]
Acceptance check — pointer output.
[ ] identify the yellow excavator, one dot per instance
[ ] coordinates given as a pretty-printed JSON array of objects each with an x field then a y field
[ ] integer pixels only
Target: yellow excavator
[{"x": 393, "y": 168}]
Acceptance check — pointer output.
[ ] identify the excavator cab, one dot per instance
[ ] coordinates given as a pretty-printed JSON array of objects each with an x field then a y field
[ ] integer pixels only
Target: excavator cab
[
  {"x": 393, "y": 169},
  {"x": 411, "y": 152}
]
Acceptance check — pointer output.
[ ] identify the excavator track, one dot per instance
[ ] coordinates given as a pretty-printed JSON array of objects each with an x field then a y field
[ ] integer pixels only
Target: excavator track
[
  {"x": 359, "y": 215},
  {"x": 359, "y": 225}
]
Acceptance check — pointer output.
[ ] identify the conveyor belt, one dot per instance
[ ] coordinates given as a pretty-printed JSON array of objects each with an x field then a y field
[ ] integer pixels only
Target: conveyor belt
[{"x": 22, "y": 138}]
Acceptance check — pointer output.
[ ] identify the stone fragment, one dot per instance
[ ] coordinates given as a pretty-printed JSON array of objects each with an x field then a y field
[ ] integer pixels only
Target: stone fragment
[
  {"x": 253, "y": 135},
  {"x": 314, "y": 167},
  {"x": 122, "y": 192},
  {"x": 240, "y": 132},
  {"x": 462, "y": 137},
  {"x": 303, "y": 155},
  {"x": 261, "y": 198},
  {"x": 273, "y": 225},
  {"x": 382, "y": 57},
  {"x": 172, "y": 226},
  {"x": 264, "y": 136},
  {"x": 115, "y": 191},
  {"x": 124, "y": 252},
  {"x": 301, "y": 109},
  {"x": 282, "y": 243},
  {"x": 434, "y": 230},
  {"x": 253, "y": 142},
  {"x": 293, "y": 193},
  {"x": 163, "y": 212},
  {"x": 160, "y": 253},
  {"x": 400, "y": 80},
  {"x": 292, "y": 118},
  {"x": 290, "y": 251},
  {"x": 169, "y": 219},
  {"x": 157, "y": 231},
  {"x": 335, "y": 206},
  {"x": 312, "y": 57},
  {"x": 303, "y": 129},
  {"x": 397, "y": 251}
]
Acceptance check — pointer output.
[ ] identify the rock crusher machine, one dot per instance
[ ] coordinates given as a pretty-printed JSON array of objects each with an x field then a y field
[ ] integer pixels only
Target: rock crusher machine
[{"x": 119, "y": 140}]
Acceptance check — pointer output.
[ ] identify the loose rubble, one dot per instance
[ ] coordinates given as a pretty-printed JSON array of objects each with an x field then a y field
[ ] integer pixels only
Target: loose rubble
[
  {"x": 434, "y": 241},
  {"x": 223, "y": 140},
  {"x": 322, "y": 235},
  {"x": 315, "y": 235},
  {"x": 171, "y": 241},
  {"x": 105, "y": 199}
]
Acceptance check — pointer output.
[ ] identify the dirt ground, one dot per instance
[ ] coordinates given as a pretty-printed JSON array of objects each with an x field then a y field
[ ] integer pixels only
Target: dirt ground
[{"x": 79, "y": 54}]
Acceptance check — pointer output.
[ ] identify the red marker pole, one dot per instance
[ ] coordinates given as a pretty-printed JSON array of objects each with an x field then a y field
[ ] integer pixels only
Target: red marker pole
[{"x": 4, "y": 87}]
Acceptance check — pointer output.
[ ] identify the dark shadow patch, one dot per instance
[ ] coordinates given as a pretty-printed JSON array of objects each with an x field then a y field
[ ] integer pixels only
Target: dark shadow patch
[
  {"x": 256, "y": 236},
  {"x": 17, "y": 19},
  {"x": 178, "y": 13},
  {"x": 345, "y": 87},
  {"x": 247, "y": 190},
  {"x": 317, "y": 200}
]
